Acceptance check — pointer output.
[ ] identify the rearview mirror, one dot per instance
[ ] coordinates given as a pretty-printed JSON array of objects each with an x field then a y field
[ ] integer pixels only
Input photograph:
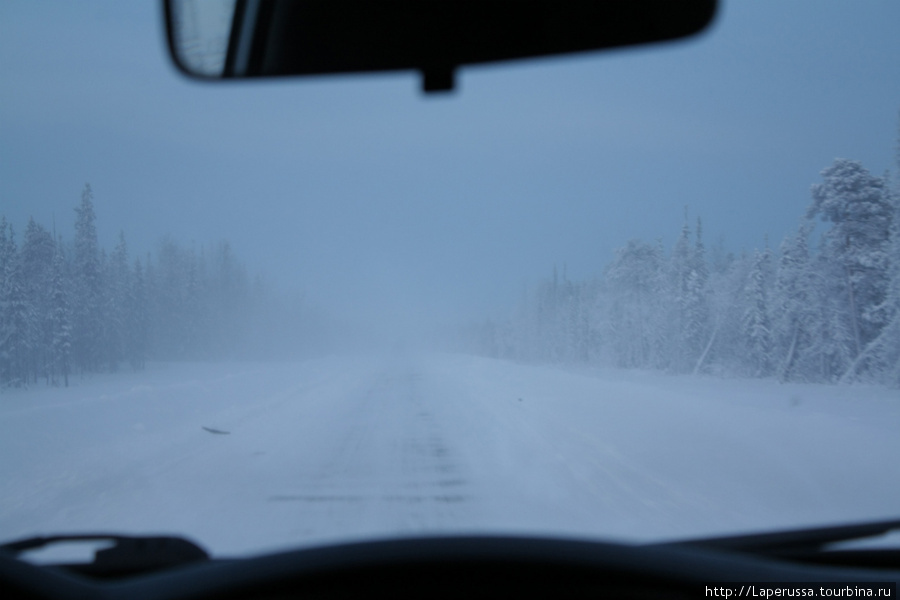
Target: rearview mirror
[{"x": 227, "y": 39}]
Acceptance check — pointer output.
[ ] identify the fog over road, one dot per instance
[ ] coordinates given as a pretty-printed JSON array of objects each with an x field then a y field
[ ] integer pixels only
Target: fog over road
[{"x": 251, "y": 457}]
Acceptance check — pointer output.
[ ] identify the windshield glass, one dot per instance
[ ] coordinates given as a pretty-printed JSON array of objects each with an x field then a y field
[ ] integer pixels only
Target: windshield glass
[{"x": 645, "y": 294}]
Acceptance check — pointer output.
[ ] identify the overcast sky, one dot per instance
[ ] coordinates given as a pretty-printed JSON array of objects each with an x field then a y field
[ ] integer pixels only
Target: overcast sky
[{"x": 363, "y": 192}]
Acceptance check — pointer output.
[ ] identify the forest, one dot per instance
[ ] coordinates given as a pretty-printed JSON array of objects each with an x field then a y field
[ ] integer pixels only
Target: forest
[
  {"x": 824, "y": 306},
  {"x": 73, "y": 308}
]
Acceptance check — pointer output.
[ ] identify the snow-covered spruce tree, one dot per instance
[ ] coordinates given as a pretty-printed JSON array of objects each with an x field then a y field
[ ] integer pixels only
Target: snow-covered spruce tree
[
  {"x": 756, "y": 325},
  {"x": 7, "y": 254},
  {"x": 635, "y": 287},
  {"x": 87, "y": 317},
  {"x": 793, "y": 307},
  {"x": 689, "y": 301},
  {"x": 890, "y": 349},
  {"x": 679, "y": 356},
  {"x": 136, "y": 318},
  {"x": 5, "y": 257},
  {"x": 60, "y": 319},
  {"x": 115, "y": 299},
  {"x": 835, "y": 346},
  {"x": 697, "y": 308},
  {"x": 855, "y": 254},
  {"x": 38, "y": 249},
  {"x": 15, "y": 317},
  {"x": 660, "y": 358},
  {"x": 882, "y": 355}
]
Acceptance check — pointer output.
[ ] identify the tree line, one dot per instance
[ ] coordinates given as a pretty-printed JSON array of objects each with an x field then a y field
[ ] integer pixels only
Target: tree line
[
  {"x": 812, "y": 310},
  {"x": 73, "y": 308}
]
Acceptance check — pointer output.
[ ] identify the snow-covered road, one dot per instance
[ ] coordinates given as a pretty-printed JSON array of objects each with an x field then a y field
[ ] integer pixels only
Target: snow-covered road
[{"x": 343, "y": 448}]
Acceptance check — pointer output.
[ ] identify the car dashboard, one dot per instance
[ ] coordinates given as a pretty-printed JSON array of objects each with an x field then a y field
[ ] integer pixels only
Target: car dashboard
[{"x": 470, "y": 567}]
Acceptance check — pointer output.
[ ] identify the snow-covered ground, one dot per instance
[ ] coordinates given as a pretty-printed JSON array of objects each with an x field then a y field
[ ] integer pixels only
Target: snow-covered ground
[{"x": 350, "y": 447}]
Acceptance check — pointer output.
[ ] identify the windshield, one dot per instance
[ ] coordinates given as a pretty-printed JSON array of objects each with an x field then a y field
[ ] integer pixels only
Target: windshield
[{"x": 639, "y": 295}]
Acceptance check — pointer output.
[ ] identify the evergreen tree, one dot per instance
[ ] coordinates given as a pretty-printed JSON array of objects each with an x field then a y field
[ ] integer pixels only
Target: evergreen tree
[
  {"x": 137, "y": 319},
  {"x": 60, "y": 318},
  {"x": 116, "y": 291},
  {"x": 794, "y": 295},
  {"x": 680, "y": 354},
  {"x": 756, "y": 325},
  {"x": 696, "y": 301},
  {"x": 690, "y": 302},
  {"x": 856, "y": 247},
  {"x": 7, "y": 255},
  {"x": 635, "y": 284},
  {"x": 81, "y": 308},
  {"x": 86, "y": 275},
  {"x": 880, "y": 360},
  {"x": 38, "y": 249},
  {"x": 15, "y": 341}
]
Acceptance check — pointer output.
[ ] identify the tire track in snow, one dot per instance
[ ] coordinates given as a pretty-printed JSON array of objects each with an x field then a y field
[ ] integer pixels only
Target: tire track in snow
[{"x": 392, "y": 467}]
